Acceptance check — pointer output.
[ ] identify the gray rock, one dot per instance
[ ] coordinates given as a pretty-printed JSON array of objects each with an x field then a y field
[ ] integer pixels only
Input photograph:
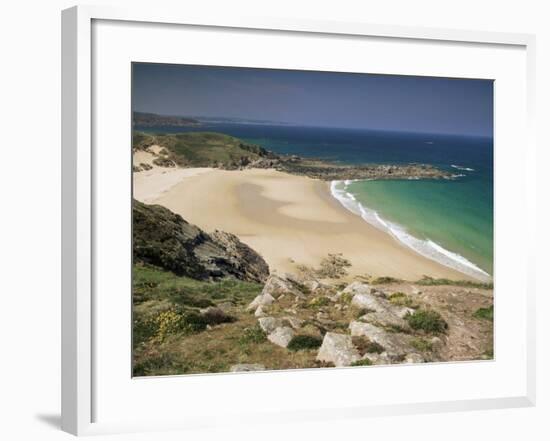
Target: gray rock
[
  {"x": 338, "y": 349},
  {"x": 414, "y": 358},
  {"x": 378, "y": 359},
  {"x": 368, "y": 301},
  {"x": 260, "y": 312},
  {"x": 385, "y": 318},
  {"x": 247, "y": 367},
  {"x": 437, "y": 343},
  {"x": 395, "y": 344},
  {"x": 277, "y": 286},
  {"x": 269, "y": 324},
  {"x": 260, "y": 300},
  {"x": 295, "y": 322},
  {"x": 357, "y": 288},
  {"x": 281, "y": 336}
]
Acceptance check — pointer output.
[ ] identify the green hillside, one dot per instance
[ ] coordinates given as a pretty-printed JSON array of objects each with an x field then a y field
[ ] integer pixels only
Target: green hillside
[{"x": 203, "y": 149}]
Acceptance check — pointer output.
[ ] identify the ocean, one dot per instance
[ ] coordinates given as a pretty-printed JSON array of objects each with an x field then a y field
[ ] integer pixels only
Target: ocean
[{"x": 450, "y": 221}]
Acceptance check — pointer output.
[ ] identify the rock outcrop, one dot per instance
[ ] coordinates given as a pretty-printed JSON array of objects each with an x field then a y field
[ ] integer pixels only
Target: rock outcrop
[
  {"x": 164, "y": 239},
  {"x": 338, "y": 349}
]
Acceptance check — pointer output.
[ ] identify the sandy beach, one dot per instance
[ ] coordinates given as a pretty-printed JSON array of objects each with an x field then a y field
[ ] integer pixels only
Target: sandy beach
[{"x": 288, "y": 219}]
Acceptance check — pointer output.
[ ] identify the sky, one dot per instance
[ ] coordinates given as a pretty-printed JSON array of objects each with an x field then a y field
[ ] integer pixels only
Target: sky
[{"x": 324, "y": 99}]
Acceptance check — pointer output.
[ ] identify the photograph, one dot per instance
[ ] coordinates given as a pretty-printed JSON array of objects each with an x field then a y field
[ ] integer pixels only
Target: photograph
[{"x": 293, "y": 219}]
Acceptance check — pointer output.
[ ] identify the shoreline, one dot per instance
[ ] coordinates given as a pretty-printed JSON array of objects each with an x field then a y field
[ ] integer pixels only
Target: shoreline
[
  {"x": 426, "y": 248},
  {"x": 288, "y": 219}
]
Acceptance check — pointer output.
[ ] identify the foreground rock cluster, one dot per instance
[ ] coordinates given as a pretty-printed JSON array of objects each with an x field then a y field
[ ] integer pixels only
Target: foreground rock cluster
[{"x": 358, "y": 324}]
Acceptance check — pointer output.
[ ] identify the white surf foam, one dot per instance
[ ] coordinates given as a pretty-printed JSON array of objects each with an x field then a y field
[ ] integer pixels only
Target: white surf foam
[
  {"x": 458, "y": 167},
  {"x": 426, "y": 248}
]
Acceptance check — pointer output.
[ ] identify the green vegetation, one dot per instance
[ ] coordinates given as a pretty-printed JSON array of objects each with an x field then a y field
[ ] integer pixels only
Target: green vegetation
[
  {"x": 421, "y": 344},
  {"x": 301, "y": 342},
  {"x": 333, "y": 266},
  {"x": 429, "y": 281},
  {"x": 384, "y": 280},
  {"x": 366, "y": 346},
  {"x": 485, "y": 313},
  {"x": 427, "y": 321},
  {"x": 319, "y": 302},
  {"x": 402, "y": 299},
  {"x": 203, "y": 149},
  {"x": 253, "y": 334},
  {"x": 363, "y": 362}
]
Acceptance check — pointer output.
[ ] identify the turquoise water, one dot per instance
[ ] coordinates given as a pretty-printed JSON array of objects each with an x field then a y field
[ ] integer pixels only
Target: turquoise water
[
  {"x": 450, "y": 214},
  {"x": 450, "y": 221}
]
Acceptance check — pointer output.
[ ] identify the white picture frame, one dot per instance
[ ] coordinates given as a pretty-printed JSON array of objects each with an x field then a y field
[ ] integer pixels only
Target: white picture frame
[{"x": 80, "y": 202}]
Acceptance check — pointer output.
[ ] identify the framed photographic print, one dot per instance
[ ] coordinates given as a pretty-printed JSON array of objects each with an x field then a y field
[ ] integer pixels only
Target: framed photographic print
[{"x": 296, "y": 210}]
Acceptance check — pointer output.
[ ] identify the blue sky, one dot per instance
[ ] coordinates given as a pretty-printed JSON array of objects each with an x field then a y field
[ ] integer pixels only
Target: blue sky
[{"x": 326, "y": 99}]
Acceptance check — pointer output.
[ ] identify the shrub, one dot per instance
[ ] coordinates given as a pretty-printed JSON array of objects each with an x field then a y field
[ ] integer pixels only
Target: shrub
[
  {"x": 366, "y": 346},
  {"x": 333, "y": 266},
  {"x": 319, "y": 302},
  {"x": 401, "y": 299},
  {"x": 300, "y": 342},
  {"x": 421, "y": 344},
  {"x": 194, "y": 322},
  {"x": 167, "y": 323},
  {"x": 215, "y": 316},
  {"x": 253, "y": 334},
  {"x": 384, "y": 280},
  {"x": 430, "y": 281},
  {"x": 427, "y": 320},
  {"x": 484, "y": 313},
  {"x": 363, "y": 362}
]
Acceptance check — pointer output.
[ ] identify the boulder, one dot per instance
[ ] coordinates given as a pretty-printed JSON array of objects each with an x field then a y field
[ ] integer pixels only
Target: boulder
[
  {"x": 276, "y": 286},
  {"x": 385, "y": 318},
  {"x": 260, "y": 312},
  {"x": 269, "y": 324},
  {"x": 357, "y": 288},
  {"x": 260, "y": 300},
  {"x": 368, "y": 301},
  {"x": 247, "y": 367},
  {"x": 294, "y": 322},
  {"x": 378, "y": 359},
  {"x": 338, "y": 349},
  {"x": 395, "y": 344},
  {"x": 414, "y": 358},
  {"x": 281, "y": 336}
]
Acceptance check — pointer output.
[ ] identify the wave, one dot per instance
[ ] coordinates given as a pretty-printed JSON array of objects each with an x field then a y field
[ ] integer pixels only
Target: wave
[
  {"x": 424, "y": 247},
  {"x": 458, "y": 167}
]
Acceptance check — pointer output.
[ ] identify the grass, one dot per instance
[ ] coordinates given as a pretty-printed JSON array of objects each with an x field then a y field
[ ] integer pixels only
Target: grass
[
  {"x": 485, "y": 313},
  {"x": 427, "y": 320},
  {"x": 202, "y": 149},
  {"x": 366, "y": 346},
  {"x": 385, "y": 280},
  {"x": 429, "y": 281},
  {"x": 304, "y": 342},
  {"x": 363, "y": 362},
  {"x": 421, "y": 344},
  {"x": 253, "y": 334},
  {"x": 319, "y": 302},
  {"x": 151, "y": 283},
  {"x": 402, "y": 299}
]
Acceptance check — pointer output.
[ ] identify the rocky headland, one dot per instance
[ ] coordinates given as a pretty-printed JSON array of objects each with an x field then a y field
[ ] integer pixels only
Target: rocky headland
[{"x": 207, "y": 149}]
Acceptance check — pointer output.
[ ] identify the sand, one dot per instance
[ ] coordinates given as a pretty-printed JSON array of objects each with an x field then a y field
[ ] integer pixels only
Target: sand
[{"x": 288, "y": 219}]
